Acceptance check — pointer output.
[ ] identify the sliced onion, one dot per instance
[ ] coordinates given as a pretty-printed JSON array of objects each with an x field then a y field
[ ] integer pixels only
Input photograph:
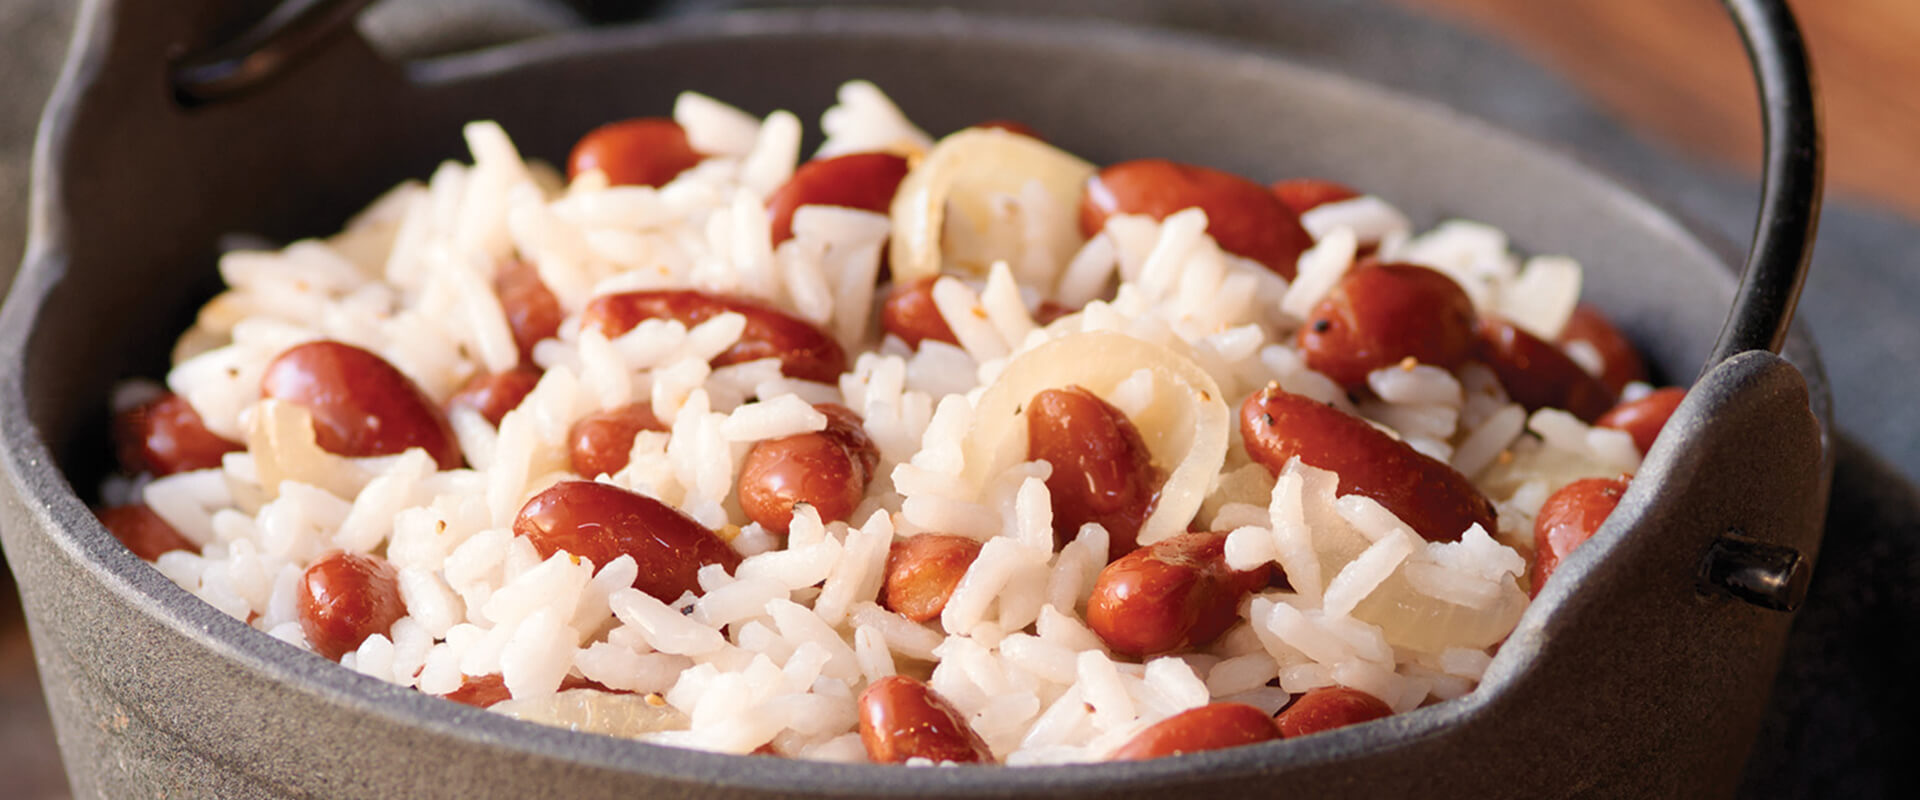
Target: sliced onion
[
  {"x": 284, "y": 448},
  {"x": 1184, "y": 428},
  {"x": 1415, "y": 621},
  {"x": 623, "y": 715},
  {"x": 1408, "y": 618},
  {"x": 1533, "y": 461},
  {"x": 966, "y": 169}
]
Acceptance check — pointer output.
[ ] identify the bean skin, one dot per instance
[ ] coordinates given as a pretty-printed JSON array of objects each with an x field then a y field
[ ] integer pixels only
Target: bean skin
[
  {"x": 910, "y": 313},
  {"x": 600, "y": 443},
  {"x": 1380, "y": 316},
  {"x": 922, "y": 572},
  {"x": 1329, "y": 707},
  {"x": 828, "y": 469},
  {"x": 1305, "y": 194},
  {"x": 902, "y": 718},
  {"x": 481, "y": 691},
  {"x": 1645, "y": 417},
  {"x": 345, "y": 598},
  {"x": 1175, "y": 594},
  {"x": 1539, "y": 375},
  {"x": 648, "y": 151},
  {"x": 1568, "y": 518},
  {"x": 361, "y": 405},
  {"x": 533, "y": 312},
  {"x": 601, "y": 522},
  {"x": 1102, "y": 470},
  {"x": 1050, "y": 311},
  {"x": 1622, "y": 363},
  {"x": 493, "y": 394},
  {"x": 1214, "y": 726},
  {"x": 865, "y": 181},
  {"x": 1433, "y": 499},
  {"x": 165, "y": 435},
  {"x": 1242, "y": 216},
  {"x": 805, "y": 352},
  {"x": 143, "y": 531}
]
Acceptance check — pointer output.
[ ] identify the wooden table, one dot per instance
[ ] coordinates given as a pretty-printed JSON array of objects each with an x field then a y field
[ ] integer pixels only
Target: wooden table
[
  {"x": 1675, "y": 69},
  {"x": 29, "y": 762}
]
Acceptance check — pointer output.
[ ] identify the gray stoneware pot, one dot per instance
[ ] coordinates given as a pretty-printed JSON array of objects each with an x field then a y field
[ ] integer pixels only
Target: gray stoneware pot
[{"x": 1644, "y": 670}]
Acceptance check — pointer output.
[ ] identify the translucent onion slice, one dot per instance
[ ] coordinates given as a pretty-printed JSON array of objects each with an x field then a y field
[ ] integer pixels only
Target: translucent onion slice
[
  {"x": 624, "y": 715},
  {"x": 1531, "y": 461},
  {"x": 1414, "y": 621},
  {"x": 1409, "y": 619},
  {"x": 966, "y": 170},
  {"x": 284, "y": 448},
  {"x": 1184, "y": 426}
]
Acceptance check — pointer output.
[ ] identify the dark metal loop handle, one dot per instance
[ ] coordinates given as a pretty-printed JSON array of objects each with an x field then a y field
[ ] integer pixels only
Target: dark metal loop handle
[
  {"x": 1790, "y": 181},
  {"x": 1770, "y": 285},
  {"x": 263, "y": 52}
]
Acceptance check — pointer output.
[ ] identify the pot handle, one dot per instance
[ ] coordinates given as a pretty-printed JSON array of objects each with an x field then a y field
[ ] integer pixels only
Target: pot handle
[
  {"x": 1790, "y": 184},
  {"x": 1777, "y": 260},
  {"x": 263, "y": 52}
]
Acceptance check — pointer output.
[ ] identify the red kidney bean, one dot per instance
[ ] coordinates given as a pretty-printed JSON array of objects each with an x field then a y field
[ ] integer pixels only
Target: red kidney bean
[
  {"x": 143, "y": 531},
  {"x": 1433, "y": 499},
  {"x": 1102, "y": 471},
  {"x": 600, "y": 443},
  {"x": 1214, "y": 726},
  {"x": 165, "y": 435},
  {"x": 1242, "y": 216},
  {"x": 828, "y": 469},
  {"x": 1329, "y": 707},
  {"x": 648, "y": 151},
  {"x": 345, "y": 598},
  {"x": 1568, "y": 518},
  {"x": 1011, "y": 126},
  {"x": 909, "y": 313},
  {"x": 1382, "y": 315},
  {"x": 481, "y": 691},
  {"x": 1049, "y": 311},
  {"x": 601, "y": 522},
  {"x": 533, "y": 312},
  {"x": 1174, "y": 594},
  {"x": 805, "y": 352},
  {"x": 922, "y": 572},
  {"x": 1643, "y": 418},
  {"x": 1621, "y": 362},
  {"x": 493, "y": 394},
  {"x": 361, "y": 405},
  {"x": 1539, "y": 375},
  {"x": 901, "y": 718},
  {"x": 865, "y": 181},
  {"x": 1305, "y": 194}
]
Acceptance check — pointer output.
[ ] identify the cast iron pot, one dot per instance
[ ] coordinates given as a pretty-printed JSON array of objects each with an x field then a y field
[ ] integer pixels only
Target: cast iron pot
[{"x": 1643, "y": 670}]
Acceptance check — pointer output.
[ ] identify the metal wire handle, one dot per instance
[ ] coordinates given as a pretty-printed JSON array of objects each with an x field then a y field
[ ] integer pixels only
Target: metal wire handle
[
  {"x": 264, "y": 52},
  {"x": 1790, "y": 185},
  {"x": 1777, "y": 260}
]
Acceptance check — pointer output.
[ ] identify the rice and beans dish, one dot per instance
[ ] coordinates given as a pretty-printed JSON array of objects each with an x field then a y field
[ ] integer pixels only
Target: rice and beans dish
[{"x": 916, "y": 451}]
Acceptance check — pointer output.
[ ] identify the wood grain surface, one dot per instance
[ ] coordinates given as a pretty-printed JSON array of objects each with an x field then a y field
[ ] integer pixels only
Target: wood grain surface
[
  {"x": 29, "y": 761},
  {"x": 1676, "y": 70}
]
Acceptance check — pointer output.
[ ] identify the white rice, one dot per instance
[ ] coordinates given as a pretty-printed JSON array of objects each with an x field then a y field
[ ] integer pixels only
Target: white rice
[{"x": 777, "y": 651}]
